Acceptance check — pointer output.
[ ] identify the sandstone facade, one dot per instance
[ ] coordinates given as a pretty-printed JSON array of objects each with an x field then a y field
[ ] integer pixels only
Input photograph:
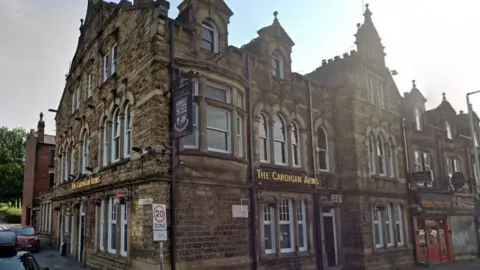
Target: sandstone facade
[{"x": 311, "y": 165}]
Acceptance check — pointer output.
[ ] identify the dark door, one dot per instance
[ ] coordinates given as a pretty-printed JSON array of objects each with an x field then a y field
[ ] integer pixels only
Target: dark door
[
  {"x": 82, "y": 234},
  {"x": 330, "y": 248}
]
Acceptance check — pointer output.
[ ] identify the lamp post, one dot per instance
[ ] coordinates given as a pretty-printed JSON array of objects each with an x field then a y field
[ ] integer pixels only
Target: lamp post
[{"x": 472, "y": 133}]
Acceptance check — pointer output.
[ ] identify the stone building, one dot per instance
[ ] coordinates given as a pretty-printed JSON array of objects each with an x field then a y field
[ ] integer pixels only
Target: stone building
[
  {"x": 38, "y": 177},
  {"x": 442, "y": 180},
  {"x": 281, "y": 170}
]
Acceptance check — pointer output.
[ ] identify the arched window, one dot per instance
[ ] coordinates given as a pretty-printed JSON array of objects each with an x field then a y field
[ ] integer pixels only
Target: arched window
[
  {"x": 62, "y": 166},
  {"x": 105, "y": 142},
  {"x": 279, "y": 141},
  {"x": 127, "y": 140},
  {"x": 381, "y": 155},
  {"x": 371, "y": 154},
  {"x": 85, "y": 153},
  {"x": 448, "y": 127},
  {"x": 116, "y": 136},
  {"x": 418, "y": 120},
  {"x": 390, "y": 157},
  {"x": 263, "y": 144},
  {"x": 209, "y": 37},
  {"x": 295, "y": 145},
  {"x": 322, "y": 149},
  {"x": 277, "y": 66}
]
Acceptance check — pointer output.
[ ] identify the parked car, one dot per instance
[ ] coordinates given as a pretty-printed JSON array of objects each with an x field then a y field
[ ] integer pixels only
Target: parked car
[
  {"x": 3, "y": 228},
  {"x": 10, "y": 259},
  {"x": 27, "y": 239}
]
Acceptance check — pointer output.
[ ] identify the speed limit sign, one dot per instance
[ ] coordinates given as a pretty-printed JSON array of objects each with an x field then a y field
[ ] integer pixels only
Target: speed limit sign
[{"x": 159, "y": 220}]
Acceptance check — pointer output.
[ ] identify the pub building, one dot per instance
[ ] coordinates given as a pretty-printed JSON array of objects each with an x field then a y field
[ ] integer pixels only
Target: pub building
[{"x": 441, "y": 181}]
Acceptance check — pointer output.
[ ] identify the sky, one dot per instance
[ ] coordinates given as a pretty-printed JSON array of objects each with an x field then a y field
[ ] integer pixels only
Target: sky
[{"x": 434, "y": 42}]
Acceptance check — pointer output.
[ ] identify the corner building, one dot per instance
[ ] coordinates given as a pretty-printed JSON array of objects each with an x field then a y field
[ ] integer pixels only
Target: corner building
[{"x": 282, "y": 170}]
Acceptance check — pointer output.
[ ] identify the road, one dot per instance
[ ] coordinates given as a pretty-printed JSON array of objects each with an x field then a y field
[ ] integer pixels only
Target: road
[{"x": 51, "y": 258}]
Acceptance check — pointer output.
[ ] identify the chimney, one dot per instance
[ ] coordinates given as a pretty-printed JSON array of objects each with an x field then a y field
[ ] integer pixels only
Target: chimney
[{"x": 41, "y": 129}]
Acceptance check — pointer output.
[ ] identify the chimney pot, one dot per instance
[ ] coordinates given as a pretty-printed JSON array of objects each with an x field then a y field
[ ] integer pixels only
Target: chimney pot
[
  {"x": 330, "y": 60},
  {"x": 461, "y": 111},
  {"x": 41, "y": 129},
  {"x": 336, "y": 58}
]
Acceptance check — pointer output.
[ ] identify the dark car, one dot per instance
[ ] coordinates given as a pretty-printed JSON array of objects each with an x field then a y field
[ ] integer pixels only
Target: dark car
[
  {"x": 10, "y": 259},
  {"x": 27, "y": 238}
]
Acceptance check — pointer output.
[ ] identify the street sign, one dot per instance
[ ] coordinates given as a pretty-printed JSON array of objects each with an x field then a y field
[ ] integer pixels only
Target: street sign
[
  {"x": 159, "y": 219},
  {"x": 182, "y": 111}
]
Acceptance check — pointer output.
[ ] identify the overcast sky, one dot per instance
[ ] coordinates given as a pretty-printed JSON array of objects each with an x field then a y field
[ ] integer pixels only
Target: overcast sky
[{"x": 434, "y": 42}]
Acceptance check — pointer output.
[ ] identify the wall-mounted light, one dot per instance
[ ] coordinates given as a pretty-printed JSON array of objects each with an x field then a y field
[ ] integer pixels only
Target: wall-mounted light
[{"x": 143, "y": 151}]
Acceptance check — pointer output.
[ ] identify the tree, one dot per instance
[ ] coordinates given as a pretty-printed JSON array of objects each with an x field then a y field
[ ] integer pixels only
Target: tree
[{"x": 12, "y": 159}]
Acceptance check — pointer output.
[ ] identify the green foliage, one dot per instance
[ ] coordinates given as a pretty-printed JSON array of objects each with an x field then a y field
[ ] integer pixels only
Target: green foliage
[
  {"x": 12, "y": 214},
  {"x": 12, "y": 157}
]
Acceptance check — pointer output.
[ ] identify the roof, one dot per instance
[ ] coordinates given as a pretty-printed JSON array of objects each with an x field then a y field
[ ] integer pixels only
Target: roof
[{"x": 47, "y": 139}]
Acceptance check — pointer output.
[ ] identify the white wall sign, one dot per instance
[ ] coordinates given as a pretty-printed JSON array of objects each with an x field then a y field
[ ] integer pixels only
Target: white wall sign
[
  {"x": 159, "y": 220},
  {"x": 145, "y": 201},
  {"x": 238, "y": 211}
]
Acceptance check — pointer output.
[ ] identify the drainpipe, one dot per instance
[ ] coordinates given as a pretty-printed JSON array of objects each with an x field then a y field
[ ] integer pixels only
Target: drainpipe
[
  {"x": 251, "y": 171},
  {"x": 174, "y": 161},
  {"x": 317, "y": 210},
  {"x": 407, "y": 177}
]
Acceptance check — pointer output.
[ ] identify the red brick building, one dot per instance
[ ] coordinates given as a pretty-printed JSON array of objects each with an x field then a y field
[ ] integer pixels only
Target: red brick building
[{"x": 38, "y": 169}]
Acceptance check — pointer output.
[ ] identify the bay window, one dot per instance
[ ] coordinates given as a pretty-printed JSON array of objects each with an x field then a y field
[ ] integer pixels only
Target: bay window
[
  {"x": 240, "y": 136},
  {"x": 218, "y": 129},
  {"x": 191, "y": 140}
]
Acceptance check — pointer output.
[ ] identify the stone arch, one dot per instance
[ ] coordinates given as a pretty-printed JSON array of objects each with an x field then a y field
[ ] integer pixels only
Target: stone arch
[
  {"x": 111, "y": 109},
  {"x": 321, "y": 122},
  {"x": 85, "y": 129},
  {"x": 262, "y": 108},
  {"x": 127, "y": 98},
  {"x": 298, "y": 119},
  {"x": 283, "y": 112}
]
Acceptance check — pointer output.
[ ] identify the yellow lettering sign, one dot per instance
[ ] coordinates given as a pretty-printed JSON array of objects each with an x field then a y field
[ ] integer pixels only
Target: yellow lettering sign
[
  {"x": 436, "y": 204},
  {"x": 85, "y": 183},
  {"x": 283, "y": 177}
]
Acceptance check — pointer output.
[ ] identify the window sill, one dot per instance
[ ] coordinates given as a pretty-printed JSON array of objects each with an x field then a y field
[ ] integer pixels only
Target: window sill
[
  {"x": 212, "y": 154},
  {"x": 115, "y": 164},
  {"x": 286, "y": 255},
  {"x": 112, "y": 257},
  {"x": 390, "y": 249},
  {"x": 281, "y": 167},
  {"x": 112, "y": 77},
  {"x": 383, "y": 177}
]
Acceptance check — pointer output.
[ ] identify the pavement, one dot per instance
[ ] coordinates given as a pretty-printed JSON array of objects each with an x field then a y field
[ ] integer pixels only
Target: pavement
[
  {"x": 457, "y": 265},
  {"x": 51, "y": 258}
]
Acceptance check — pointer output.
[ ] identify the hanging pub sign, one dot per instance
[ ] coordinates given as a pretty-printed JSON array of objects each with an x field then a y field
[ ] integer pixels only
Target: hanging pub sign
[
  {"x": 262, "y": 174},
  {"x": 182, "y": 103}
]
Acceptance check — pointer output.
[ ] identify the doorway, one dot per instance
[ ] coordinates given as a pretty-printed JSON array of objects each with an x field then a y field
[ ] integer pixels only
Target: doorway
[
  {"x": 81, "y": 231},
  {"x": 330, "y": 232}
]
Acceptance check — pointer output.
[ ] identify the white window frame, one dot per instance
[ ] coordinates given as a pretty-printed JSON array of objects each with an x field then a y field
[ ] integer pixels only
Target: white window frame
[
  {"x": 372, "y": 154},
  {"x": 74, "y": 99},
  {"x": 448, "y": 128},
  {"x": 72, "y": 158},
  {"x": 295, "y": 145},
  {"x": 302, "y": 221},
  {"x": 212, "y": 86},
  {"x": 264, "y": 141},
  {"x": 277, "y": 70},
  {"x": 399, "y": 223},
  {"x": 62, "y": 167},
  {"x": 114, "y": 58},
  {"x": 391, "y": 161},
  {"x": 389, "y": 226},
  {"x": 105, "y": 71},
  {"x": 283, "y": 142},
  {"x": 123, "y": 228},
  {"x": 127, "y": 139},
  {"x": 77, "y": 97},
  {"x": 101, "y": 244},
  {"x": 210, "y": 27},
  {"x": 381, "y": 94},
  {"x": 116, "y": 134},
  {"x": 240, "y": 149},
  {"x": 106, "y": 144},
  {"x": 377, "y": 221},
  {"x": 370, "y": 86},
  {"x": 227, "y": 131},
  {"x": 325, "y": 150},
  {"x": 380, "y": 147},
  {"x": 270, "y": 211},
  {"x": 112, "y": 221},
  {"x": 85, "y": 154},
  {"x": 418, "y": 120},
  {"x": 287, "y": 222},
  {"x": 89, "y": 85}
]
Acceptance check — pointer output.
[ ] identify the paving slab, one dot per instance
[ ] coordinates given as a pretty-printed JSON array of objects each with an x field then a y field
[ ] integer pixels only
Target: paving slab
[{"x": 51, "y": 258}]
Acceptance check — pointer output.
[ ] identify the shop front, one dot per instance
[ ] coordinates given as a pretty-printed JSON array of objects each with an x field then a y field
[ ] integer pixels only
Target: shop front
[
  {"x": 432, "y": 232},
  {"x": 462, "y": 224}
]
